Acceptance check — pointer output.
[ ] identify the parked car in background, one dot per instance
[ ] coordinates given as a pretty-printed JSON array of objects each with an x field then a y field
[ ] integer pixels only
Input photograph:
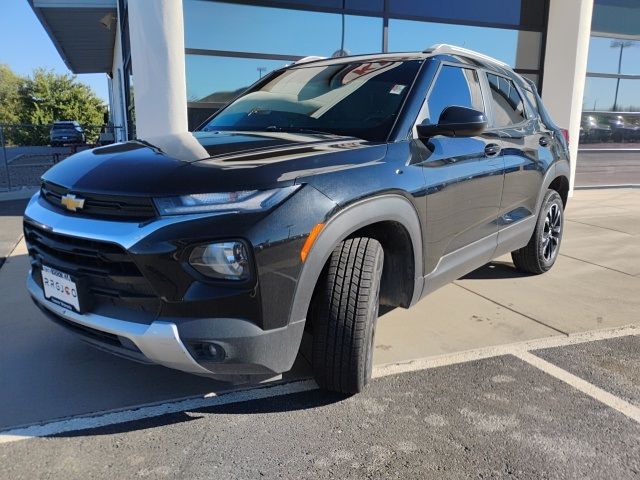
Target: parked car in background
[
  {"x": 67, "y": 132},
  {"x": 624, "y": 129},
  {"x": 329, "y": 188},
  {"x": 592, "y": 130}
]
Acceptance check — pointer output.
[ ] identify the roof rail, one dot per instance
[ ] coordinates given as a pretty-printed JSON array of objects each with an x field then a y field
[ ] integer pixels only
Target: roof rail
[
  {"x": 444, "y": 48},
  {"x": 311, "y": 58}
]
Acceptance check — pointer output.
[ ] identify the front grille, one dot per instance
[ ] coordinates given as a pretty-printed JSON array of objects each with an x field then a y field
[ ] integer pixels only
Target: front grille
[
  {"x": 105, "y": 270},
  {"x": 104, "y": 206}
]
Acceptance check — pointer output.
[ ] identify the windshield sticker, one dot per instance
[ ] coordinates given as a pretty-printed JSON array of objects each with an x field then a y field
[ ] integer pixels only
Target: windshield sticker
[{"x": 397, "y": 89}]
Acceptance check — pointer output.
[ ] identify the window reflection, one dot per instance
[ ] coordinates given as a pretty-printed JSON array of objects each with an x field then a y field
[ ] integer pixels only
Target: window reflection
[
  {"x": 454, "y": 86},
  {"x": 221, "y": 79},
  {"x": 508, "y": 107},
  {"x": 606, "y": 54},
  {"x": 248, "y": 28},
  {"x": 600, "y": 95},
  {"x": 609, "y": 128},
  {"x": 519, "y": 49}
]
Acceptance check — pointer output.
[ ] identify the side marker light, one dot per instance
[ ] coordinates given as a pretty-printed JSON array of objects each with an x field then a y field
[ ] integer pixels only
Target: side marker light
[{"x": 313, "y": 234}]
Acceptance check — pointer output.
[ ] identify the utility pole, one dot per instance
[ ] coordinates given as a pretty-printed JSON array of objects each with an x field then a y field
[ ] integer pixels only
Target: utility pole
[{"x": 622, "y": 44}]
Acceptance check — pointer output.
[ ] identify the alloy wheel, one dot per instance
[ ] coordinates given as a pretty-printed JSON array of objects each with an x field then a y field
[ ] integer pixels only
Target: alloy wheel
[{"x": 552, "y": 232}]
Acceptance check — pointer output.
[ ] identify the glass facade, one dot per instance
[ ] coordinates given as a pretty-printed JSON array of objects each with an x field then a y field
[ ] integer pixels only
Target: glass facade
[
  {"x": 611, "y": 102},
  {"x": 521, "y": 49},
  {"x": 231, "y": 44}
]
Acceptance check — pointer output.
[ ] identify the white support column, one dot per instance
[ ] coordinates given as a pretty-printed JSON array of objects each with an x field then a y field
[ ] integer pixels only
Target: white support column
[
  {"x": 565, "y": 66},
  {"x": 156, "y": 33},
  {"x": 116, "y": 98}
]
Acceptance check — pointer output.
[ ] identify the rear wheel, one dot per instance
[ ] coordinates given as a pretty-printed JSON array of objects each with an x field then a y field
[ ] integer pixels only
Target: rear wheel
[
  {"x": 344, "y": 316},
  {"x": 539, "y": 255}
]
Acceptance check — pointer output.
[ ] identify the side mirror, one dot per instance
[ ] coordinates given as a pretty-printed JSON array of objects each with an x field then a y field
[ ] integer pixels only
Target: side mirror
[{"x": 455, "y": 121}]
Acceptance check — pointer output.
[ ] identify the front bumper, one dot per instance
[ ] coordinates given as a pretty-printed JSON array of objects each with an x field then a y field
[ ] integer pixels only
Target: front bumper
[
  {"x": 158, "y": 329},
  {"x": 158, "y": 342},
  {"x": 249, "y": 350}
]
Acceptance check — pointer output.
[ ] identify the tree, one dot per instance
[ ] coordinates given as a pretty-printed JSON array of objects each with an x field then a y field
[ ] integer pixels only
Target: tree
[
  {"x": 9, "y": 99},
  {"x": 47, "y": 96}
]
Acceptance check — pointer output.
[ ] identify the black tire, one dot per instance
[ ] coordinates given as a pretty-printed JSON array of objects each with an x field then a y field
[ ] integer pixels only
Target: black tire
[
  {"x": 539, "y": 255},
  {"x": 344, "y": 316}
]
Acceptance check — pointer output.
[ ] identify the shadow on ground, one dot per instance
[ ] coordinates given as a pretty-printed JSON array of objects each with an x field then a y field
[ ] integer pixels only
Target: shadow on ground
[
  {"x": 282, "y": 404},
  {"x": 495, "y": 271}
]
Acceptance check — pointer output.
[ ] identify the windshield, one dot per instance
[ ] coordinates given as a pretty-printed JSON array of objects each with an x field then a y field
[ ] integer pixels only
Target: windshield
[{"x": 354, "y": 99}]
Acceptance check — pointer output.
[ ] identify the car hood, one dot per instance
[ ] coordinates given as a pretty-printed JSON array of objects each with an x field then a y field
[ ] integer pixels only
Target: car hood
[{"x": 209, "y": 162}]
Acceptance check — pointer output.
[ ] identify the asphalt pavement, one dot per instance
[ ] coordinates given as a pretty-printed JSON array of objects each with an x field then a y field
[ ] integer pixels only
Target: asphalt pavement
[{"x": 497, "y": 417}]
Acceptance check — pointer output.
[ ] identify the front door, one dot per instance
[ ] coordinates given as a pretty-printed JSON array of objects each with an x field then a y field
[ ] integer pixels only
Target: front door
[{"x": 464, "y": 178}]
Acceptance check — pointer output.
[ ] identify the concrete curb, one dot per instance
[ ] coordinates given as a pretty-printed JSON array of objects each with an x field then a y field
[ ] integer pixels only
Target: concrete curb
[
  {"x": 595, "y": 187},
  {"x": 608, "y": 150}
]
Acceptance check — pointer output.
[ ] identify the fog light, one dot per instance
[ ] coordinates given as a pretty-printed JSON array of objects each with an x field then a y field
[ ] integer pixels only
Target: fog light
[
  {"x": 214, "y": 352},
  {"x": 224, "y": 260}
]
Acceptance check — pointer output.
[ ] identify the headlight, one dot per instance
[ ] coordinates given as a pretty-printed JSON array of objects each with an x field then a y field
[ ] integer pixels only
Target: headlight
[
  {"x": 223, "y": 260},
  {"x": 242, "y": 201}
]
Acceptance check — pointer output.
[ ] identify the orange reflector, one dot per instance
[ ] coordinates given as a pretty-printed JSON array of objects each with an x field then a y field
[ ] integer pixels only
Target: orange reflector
[{"x": 313, "y": 234}]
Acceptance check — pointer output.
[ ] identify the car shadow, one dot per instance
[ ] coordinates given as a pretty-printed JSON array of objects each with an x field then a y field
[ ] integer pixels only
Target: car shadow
[
  {"x": 495, "y": 271},
  {"x": 279, "y": 404}
]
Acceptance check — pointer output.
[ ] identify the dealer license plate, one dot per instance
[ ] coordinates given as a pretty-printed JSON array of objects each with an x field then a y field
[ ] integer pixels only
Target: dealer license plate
[{"x": 60, "y": 288}]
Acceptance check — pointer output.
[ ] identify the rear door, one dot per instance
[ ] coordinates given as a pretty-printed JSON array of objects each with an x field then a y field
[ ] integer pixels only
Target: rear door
[
  {"x": 463, "y": 175},
  {"x": 526, "y": 147}
]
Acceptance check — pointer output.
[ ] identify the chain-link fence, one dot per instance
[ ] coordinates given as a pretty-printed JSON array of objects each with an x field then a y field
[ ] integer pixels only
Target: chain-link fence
[{"x": 27, "y": 151}]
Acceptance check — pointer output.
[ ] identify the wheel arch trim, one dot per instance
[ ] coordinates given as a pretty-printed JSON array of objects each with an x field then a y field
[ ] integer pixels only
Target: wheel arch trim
[
  {"x": 387, "y": 207},
  {"x": 558, "y": 169}
]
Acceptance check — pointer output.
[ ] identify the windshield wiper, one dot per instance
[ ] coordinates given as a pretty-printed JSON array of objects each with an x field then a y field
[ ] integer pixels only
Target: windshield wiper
[{"x": 274, "y": 128}]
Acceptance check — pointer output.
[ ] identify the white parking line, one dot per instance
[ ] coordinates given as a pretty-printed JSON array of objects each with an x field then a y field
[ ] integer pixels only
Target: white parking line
[
  {"x": 113, "y": 418},
  {"x": 210, "y": 400},
  {"x": 509, "y": 349},
  {"x": 578, "y": 383}
]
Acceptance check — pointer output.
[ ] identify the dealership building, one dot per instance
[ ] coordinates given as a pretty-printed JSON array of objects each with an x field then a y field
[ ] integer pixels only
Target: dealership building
[{"x": 171, "y": 63}]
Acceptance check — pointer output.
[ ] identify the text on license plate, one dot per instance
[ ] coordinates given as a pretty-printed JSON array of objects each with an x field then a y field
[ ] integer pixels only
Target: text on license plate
[{"x": 59, "y": 286}]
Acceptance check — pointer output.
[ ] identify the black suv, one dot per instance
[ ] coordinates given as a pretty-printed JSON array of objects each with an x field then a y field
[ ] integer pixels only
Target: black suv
[
  {"x": 328, "y": 188},
  {"x": 65, "y": 133}
]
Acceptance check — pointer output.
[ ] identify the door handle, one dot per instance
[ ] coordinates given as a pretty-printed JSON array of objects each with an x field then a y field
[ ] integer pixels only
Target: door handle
[
  {"x": 492, "y": 150},
  {"x": 544, "y": 142}
]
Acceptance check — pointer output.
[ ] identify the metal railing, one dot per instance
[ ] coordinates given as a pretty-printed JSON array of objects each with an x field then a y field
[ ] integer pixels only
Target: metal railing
[{"x": 27, "y": 151}]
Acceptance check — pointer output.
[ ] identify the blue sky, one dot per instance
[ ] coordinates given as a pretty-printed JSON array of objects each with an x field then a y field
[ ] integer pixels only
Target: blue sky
[{"x": 24, "y": 45}]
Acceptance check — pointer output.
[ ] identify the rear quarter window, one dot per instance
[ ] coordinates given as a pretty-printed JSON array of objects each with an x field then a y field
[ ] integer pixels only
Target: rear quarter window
[{"x": 508, "y": 106}]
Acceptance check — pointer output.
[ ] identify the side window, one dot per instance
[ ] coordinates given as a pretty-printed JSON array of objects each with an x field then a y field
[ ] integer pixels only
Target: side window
[
  {"x": 454, "y": 86},
  {"x": 508, "y": 107}
]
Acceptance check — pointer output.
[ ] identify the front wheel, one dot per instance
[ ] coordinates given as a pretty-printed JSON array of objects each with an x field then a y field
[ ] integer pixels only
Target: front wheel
[
  {"x": 344, "y": 316},
  {"x": 539, "y": 255}
]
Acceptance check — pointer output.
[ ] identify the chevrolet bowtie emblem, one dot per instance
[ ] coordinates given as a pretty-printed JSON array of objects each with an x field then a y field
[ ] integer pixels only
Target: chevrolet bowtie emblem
[{"x": 72, "y": 202}]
